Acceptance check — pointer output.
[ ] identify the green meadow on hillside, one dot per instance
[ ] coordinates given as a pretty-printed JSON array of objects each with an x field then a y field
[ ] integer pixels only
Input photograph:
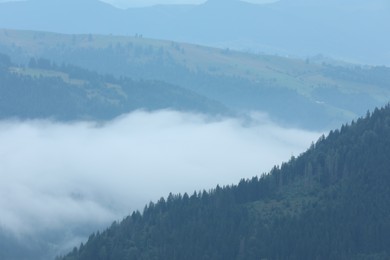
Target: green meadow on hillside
[{"x": 303, "y": 93}]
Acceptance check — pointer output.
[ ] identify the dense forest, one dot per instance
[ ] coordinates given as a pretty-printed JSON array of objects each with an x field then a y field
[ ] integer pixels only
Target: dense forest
[
  {"x": 331, "y": 202},
  {"x": 43, "y": 89}
]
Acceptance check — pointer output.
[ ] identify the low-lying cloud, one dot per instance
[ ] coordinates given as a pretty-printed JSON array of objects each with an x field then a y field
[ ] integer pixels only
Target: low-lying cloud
[{"x": 57, "y": 175}]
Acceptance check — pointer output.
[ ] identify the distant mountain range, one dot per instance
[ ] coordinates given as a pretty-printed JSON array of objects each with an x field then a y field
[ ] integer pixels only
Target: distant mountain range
[
  {"x": 313, "y": 93},
  {"x": 351, "y": 30}
]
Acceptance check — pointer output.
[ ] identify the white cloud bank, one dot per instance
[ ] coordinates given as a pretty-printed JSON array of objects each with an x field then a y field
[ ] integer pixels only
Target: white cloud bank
[{"x": 62, "y": 176}]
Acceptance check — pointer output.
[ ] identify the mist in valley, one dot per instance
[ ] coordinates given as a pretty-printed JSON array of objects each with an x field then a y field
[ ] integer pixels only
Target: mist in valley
[
  {"x": 60, "y": 181},
  {"x": 73, "y": 179}
]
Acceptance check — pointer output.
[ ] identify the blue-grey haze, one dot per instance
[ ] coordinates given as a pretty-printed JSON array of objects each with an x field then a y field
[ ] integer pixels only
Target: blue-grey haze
[{"x": 355, "y": 31}]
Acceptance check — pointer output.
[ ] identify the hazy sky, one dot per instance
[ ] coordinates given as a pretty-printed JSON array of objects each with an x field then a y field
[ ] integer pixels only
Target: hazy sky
[
  {"x": 139, "y": 3},
  {"x": 55, "y": 176},
  {"x": 142, "y": 3}
]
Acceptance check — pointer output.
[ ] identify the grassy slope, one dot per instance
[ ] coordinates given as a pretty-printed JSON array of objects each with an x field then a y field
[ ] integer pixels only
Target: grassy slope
[
  {"x": 70, "y": 93},
  {"x": 291, "y": 73},
  {"x": 186, "y": 65}
]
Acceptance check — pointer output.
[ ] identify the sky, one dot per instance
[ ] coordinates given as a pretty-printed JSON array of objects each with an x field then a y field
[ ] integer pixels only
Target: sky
[
  {"x": 55, "y": 175},
  {"x": 144, "y": 3}
]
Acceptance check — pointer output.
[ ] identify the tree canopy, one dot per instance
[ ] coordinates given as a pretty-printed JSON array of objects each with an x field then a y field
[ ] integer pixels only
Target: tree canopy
[{"x": 331, "y": 202}]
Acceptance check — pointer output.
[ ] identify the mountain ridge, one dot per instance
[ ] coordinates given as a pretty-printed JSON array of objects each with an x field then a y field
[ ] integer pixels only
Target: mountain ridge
[
  {"x": 285, "y": 28},
  {"x": 316, "y": 94},
  {"x": 67, "y": 93}
]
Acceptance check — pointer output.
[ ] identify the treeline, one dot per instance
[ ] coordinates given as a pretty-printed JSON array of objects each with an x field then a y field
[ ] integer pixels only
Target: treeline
[
  {"x": 332, "y": 202},
  {"x": 309, "y": 95},
  {"x": 275, "y": 92},
  {"x": 44, "y": 89},
  {"x": 377, "y": 75},
  {"x": 237, "y": 92},
  {"x": 88, "y": 94}
]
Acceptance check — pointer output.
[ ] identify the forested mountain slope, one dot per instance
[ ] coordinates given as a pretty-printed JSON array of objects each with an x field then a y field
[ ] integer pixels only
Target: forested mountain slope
[
  {"x": 45, "y": 90},
  {"x": 315, "y": 93},
  {"x": 331, "y": 202}
]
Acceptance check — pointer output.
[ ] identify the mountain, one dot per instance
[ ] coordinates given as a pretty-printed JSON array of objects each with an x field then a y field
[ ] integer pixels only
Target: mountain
[
  {"x": 315, "y": 93},
  {"x": 59, "y": 15},
  {"x": 331, "y": 202},
  {"x": 350, "y": 30},
  {"x": 44, "y": 90}
]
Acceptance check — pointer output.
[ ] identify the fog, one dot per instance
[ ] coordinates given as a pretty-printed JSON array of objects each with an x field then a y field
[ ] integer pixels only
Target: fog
[{"x": 57, "y": 176}]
